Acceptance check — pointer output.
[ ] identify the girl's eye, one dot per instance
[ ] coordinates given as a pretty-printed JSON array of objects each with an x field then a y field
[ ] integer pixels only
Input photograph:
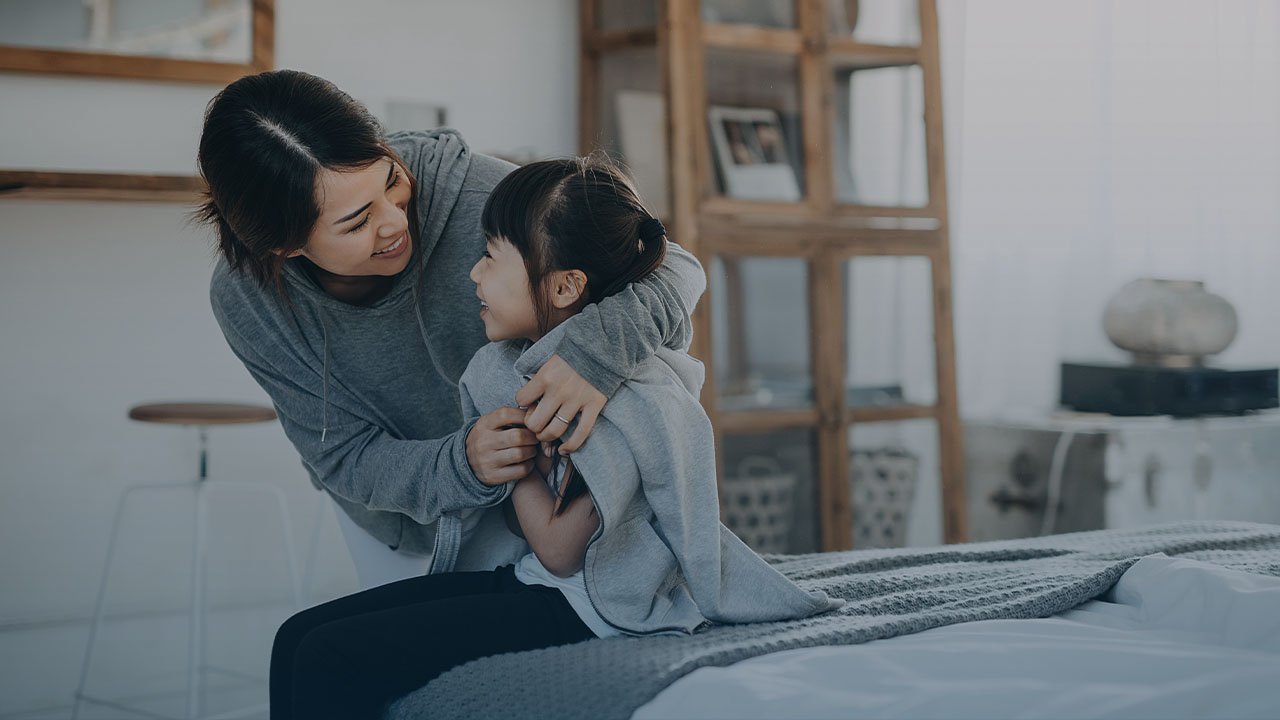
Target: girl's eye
[
  {"x": 362, "y": 223},
  {"x": 486, "y": 254}
]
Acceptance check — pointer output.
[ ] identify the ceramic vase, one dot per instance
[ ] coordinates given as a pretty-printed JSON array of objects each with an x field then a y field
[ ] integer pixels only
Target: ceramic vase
[{"x": 1169, "y": 322}]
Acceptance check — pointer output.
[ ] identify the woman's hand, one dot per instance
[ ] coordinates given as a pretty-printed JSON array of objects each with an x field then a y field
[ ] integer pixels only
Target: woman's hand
[
  {"x": 498, "y": 449},
  {"x": 554, "y": 397}
]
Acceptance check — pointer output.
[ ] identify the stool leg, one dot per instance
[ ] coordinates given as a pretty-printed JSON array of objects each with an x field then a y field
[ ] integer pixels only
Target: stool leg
[
  {"x": 199, "y": 589},
  {"x": 99, "y": 608},
  {"x": 195, "y": 625}
]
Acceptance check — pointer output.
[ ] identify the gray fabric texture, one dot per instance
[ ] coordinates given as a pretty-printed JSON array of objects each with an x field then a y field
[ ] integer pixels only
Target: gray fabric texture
[
  {"x": 888, "y": 593},
  {"x": 661, "y": 560},
  {"x": 368, "y": 395}
]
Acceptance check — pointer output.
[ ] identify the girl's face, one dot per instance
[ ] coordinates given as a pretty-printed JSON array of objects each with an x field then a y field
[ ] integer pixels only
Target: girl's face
[
  {"x": 502, "y": 284},
  {"x": 363, "y": 227}
]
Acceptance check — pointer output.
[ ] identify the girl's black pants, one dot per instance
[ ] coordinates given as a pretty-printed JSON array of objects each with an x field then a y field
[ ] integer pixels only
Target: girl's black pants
[{"x": 350, "y": 658}]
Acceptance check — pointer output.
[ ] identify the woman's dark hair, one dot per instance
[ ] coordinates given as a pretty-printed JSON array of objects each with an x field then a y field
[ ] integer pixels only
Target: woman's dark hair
[
  {"x": 575, "y": 214},
  {"x": 265, "y": 138}
]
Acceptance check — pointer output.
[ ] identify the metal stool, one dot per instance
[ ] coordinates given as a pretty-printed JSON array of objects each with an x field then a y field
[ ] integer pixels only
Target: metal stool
[{"x": 201, "y": 416}]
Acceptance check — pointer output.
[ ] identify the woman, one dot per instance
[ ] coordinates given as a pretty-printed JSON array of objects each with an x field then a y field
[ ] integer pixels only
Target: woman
[{"x": 343, "y": 287}]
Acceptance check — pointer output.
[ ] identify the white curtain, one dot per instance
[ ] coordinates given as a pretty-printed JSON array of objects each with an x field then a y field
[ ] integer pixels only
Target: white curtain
[{"x": 1092, "y": 142}]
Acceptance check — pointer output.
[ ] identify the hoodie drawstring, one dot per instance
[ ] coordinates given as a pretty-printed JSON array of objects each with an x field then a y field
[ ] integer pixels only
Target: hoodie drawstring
[{"x": 325, "y": 381}]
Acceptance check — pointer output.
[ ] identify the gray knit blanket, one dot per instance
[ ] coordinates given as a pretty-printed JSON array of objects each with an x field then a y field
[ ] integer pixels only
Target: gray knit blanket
[{"x": 889, "y": 593}]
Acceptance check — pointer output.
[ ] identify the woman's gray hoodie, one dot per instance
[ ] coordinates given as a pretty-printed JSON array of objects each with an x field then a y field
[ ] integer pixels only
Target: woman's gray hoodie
[
  {"x": 661, "y": 560},
  {"x": 369, "y": 395}
]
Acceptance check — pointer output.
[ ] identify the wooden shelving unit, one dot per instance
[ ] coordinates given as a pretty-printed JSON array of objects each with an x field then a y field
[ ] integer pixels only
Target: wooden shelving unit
[{"x": 685, "y": 57}]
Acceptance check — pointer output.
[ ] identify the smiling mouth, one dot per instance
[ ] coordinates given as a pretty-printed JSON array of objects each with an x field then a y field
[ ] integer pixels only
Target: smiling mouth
[{"x": 393, "y": 246}]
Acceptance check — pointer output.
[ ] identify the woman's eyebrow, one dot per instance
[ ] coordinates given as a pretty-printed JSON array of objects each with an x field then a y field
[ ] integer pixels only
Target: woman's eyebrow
[
  {"x": 390, "y": 173},
  {"x": 352, "y": 215}
]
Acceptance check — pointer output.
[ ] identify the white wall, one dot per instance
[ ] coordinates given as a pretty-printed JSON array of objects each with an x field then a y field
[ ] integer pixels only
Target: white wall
[
  {"x": 1099, "y": 142},
  {"x": 105, "y": 305}
]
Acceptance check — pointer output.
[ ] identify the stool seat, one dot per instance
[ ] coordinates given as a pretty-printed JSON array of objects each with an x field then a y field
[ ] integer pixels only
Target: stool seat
[{"x": 201, "y": 413}]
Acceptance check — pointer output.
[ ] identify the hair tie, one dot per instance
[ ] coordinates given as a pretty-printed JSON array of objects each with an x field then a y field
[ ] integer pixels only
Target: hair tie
[{"x": 650, "y": 229}]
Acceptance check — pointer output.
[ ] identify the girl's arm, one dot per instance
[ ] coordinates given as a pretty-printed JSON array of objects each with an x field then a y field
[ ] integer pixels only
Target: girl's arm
[{"x": 559, "y": 541}]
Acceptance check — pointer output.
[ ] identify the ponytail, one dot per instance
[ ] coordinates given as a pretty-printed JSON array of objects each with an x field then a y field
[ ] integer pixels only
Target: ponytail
[{"x": 651, "y": 248}]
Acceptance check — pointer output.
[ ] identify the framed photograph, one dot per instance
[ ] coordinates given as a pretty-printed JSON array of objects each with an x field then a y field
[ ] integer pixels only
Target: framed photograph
[{"x": 751, "y": 151}]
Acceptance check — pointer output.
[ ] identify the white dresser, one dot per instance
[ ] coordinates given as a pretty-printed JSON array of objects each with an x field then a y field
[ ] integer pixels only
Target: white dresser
[{"x": 1118, "y": 472}]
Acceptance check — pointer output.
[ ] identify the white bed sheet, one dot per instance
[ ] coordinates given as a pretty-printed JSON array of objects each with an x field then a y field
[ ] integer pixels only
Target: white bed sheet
[{"x": 1175, "y": 638}]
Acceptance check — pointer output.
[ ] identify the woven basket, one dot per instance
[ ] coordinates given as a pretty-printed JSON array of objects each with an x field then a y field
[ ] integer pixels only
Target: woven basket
[
  {"x": 883, "y": 486},
  {"x": 757, "y": 503}
]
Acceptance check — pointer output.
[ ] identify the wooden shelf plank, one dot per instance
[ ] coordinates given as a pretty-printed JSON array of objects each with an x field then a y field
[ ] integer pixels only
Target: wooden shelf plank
[
  {"x": 751, "y": 37},
  {"x": 890, "y": 413},
  {"x": 604, "y": 42},
  {"x": 750, "y": 421},
  {"x": 733, "y": 236},
  {"x": 846, "y": 54},
  {"x": 851, "y": 210},
  {"x": 54, "y": 185},
  {"x": 725, "y": 205}
]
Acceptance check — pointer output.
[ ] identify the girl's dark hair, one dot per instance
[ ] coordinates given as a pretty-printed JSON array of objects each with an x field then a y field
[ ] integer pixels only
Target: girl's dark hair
[
  {"x": 265, "y": 138},
  {"x": 574, "y": 214}
]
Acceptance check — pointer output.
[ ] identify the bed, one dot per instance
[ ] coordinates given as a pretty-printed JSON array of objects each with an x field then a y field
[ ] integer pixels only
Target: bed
[{"x": 1177, "y": 620}]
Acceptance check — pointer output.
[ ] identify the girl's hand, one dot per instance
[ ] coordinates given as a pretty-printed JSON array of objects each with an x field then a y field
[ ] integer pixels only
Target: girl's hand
[
  {"x": 498, "y": 449},
  {"x": 558, "y": 390}
]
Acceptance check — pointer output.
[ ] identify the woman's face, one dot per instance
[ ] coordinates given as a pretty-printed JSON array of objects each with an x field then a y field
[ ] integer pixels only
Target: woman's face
[
  {"x": 363, "y": 227},
  {"x": 502, "y": 284}
]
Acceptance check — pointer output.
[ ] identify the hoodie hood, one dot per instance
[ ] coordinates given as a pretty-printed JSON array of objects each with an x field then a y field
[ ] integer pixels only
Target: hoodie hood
[{"x": 439, "y": 161}]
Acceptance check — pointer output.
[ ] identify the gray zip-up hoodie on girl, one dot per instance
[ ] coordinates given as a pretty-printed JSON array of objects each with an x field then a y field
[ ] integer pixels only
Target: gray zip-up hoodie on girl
[
  {"x": 369, "y": 395},
  {"x": 661, "y": 561}
]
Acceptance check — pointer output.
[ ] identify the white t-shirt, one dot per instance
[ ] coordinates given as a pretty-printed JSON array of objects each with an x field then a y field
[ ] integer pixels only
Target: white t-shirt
[{"x": 531, "y": 571}]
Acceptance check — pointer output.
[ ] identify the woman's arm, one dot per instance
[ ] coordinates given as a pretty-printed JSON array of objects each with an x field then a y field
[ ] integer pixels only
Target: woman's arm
[
  {"x": 606, "y": 341},
  {"x": 559, "y": 541}
]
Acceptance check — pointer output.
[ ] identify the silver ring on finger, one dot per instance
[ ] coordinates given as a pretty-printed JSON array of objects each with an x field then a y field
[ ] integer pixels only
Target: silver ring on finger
[{"x": 557, "y": 416}]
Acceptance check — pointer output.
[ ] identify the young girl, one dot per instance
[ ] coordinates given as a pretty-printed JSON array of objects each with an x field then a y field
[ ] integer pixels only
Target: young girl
[{"x": 623, "y": 536}]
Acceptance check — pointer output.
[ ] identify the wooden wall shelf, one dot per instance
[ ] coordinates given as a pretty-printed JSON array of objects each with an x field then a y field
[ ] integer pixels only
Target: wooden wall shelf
[{"x": 50, "y": 185}]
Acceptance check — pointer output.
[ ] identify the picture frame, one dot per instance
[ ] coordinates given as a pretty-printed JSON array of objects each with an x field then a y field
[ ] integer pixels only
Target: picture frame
[
  {"x": 186, "y": 51},
  {"x": 751, "y": 152}
]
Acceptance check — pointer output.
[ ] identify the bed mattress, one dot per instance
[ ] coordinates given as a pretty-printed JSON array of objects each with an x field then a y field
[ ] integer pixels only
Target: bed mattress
[{"x": 1175, "y": 638}]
